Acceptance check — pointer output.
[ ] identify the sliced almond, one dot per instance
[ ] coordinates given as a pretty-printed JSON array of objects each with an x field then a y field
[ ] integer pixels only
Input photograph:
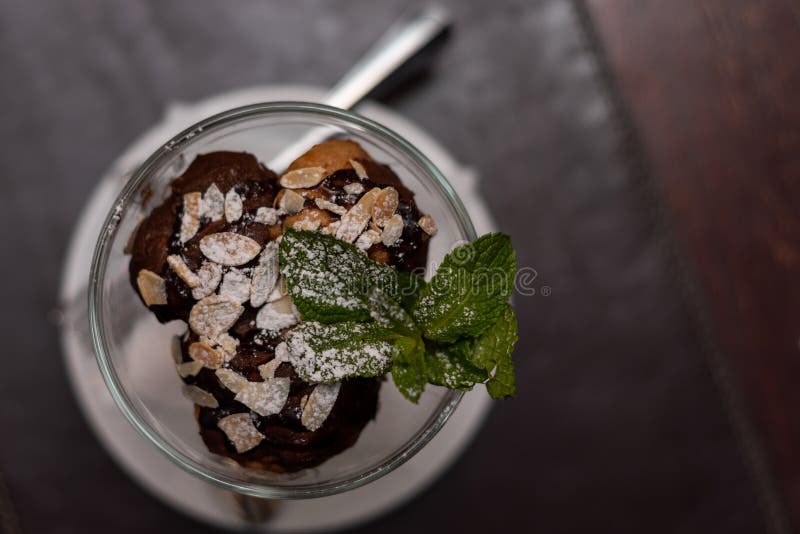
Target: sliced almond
[
  {"x": 205, "y": 353},
  {"x": 367, "y": 239},
  {"x": 330, "y": 229},
  {"x": 233, "y": 206},
  {"x": 267, "y": 370},
  {"x": 355, "y": 220},
  {"x": 385, "y": 205},
  {"x": 319, "y": 405},
  {"x": 235, "y": 286},
  {"x": 303, "y": 401},
  {"x": 228, "y": 248},
  {"x": 214, "y": 203},
  {"x": 330, "y": 206},
  {"x": 282, "y": 352},
  {"x": 193, "y": 208},
  {"x": 428, "y": 225},
  {"x": 307, "y": 219},
  {"x": 268, "y": 216},
  {"x": 199, "y": 396},
  {"x": 189, "y": 368},
  {"x": 231, "y": 379},
  {"x": 392, "y": 230},
  {"x": 279, "y": 291},
  {"x": 354, "y": 188},
  {"x": 303, "y": 178},
  {"x": 267, "y": 397},
  {"x": 241, "y": 431},
  {"x": 182, "y": 270},
  {"x": 275, "y": 316},
  {"x": 209, "y": 276},
  {"x": 289, "y": 201},
  {"x": 152, "y": 288},
  {"x": 359, "y": 168},
  {"x": 265, "y": 275},
  {"x": 228, "y": 344},
  {"x": 214, "y": 315}
]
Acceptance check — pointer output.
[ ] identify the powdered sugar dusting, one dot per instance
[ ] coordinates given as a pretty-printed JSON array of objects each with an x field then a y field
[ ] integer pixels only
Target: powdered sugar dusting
[
  {"x": 235, "y": 286},
  {"x": 319, "y": 405},
  {"x": 241, "y": 431},
  {"x": 267, "y": 397}
]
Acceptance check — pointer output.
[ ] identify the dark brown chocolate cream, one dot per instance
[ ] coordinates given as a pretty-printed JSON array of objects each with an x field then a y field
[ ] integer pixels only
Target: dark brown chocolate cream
[{"x": 208, "y": 256}]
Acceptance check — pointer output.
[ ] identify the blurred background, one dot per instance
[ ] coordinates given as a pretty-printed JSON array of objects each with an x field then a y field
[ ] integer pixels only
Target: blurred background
[{"x": 643, "y": 154}]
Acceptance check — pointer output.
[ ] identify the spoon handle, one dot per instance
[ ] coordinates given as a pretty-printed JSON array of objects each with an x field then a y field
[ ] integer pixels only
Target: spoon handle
[{"x": 401, "y": 42}]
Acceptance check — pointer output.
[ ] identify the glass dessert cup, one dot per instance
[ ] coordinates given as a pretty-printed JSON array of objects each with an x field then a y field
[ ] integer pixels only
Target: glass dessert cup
[{"x": 133, "y": 348}]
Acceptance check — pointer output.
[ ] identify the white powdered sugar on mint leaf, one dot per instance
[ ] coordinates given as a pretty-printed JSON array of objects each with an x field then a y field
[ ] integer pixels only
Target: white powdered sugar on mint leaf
[{"x": 328, "y": 353}]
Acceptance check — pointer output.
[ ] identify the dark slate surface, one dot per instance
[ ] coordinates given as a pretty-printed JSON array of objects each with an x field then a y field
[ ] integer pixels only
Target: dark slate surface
[{"x": 618, "y": 426}]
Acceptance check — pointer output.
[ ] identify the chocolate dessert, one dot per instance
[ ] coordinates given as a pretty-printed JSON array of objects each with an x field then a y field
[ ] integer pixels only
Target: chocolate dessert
[{"x": 208, "y": 256}]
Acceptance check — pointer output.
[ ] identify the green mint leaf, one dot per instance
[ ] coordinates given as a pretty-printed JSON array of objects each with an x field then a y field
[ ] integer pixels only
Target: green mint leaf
[
  {"x": 330, "y": 279},
  {"x": 387, "y": 312},
  {"x": 330, "y": 352},
  {"x": 469, "y": 291},
  {"x": 450, "y": 366},
  {"x": 408, "y": 367},
  {"x": 409, "y": 287},
  {"x": 492, "y": 350}
]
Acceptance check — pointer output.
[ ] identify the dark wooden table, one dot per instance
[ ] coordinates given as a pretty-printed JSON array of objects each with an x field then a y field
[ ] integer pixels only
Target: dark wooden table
[
  {"x": 620, "y": 424},
  {"x": 718, "y": 112}
]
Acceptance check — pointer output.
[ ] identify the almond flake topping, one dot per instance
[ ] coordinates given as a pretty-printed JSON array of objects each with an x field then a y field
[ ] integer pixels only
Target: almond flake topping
[
  {"x": 330, "y": 206},
  {"x": 208, "y": 276},
  {"x": 282, "y": 352},
  {"x": 278, "y": 292},
  {"x": 392, "y": 230},
  {"x": 303, "y": 178},
  {"x": 214, "y": 202},
  {"x": 385, "y": 205},
  {"x": 241, "y": 431},
  {"x": 199, "y": 396},
  {"x": 214, "y": 315},
  {"x": 152, "y": 288},
  {"x": 355, "y": 220},
  {"x": 354, "y": 188},
  {"x": 231, "y": 379},
  {"x": 265, "y": 275},
  {"x": 267, "y": 370},
  {"x": 306, "y": 220},
  {"x": 428, "y": 225},
  {"x": 182, "y": 270},
  {"x": 277, "y": 315},
  {"x": 267, "y": 397},
  {"x": 190, "y": 219},
  {"x": 233, "y": 206},
  {"x": 359, "y": 168},
  {"x": 330, "y": 229},
  {"x": 290, "y": 202},
  {"x": 235, "y": 286},
  {"x": 229, "y": 248},
  {"x": 189, "y": 368},
  {"x": 367, "y": 239},
  {"x": 228, "y": 345},
  {"x": 319, "y": 405},
  {"x": 268, "y": 216},
  {"x": 206, "y": 354}
]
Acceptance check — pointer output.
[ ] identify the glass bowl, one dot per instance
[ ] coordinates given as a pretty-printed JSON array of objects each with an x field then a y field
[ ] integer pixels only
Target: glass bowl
[{"x": 132, "y": 347}]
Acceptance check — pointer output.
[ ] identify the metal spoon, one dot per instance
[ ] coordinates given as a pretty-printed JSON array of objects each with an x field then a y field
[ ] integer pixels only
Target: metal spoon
[{"x": 401, "y": 42}]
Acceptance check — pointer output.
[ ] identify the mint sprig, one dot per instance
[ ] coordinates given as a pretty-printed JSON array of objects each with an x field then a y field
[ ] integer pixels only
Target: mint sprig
[{"x": 363, "y": 318}]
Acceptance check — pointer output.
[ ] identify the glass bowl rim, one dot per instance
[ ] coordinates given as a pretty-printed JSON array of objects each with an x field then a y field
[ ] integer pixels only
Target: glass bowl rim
[{"x": 97, "y": 275}]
